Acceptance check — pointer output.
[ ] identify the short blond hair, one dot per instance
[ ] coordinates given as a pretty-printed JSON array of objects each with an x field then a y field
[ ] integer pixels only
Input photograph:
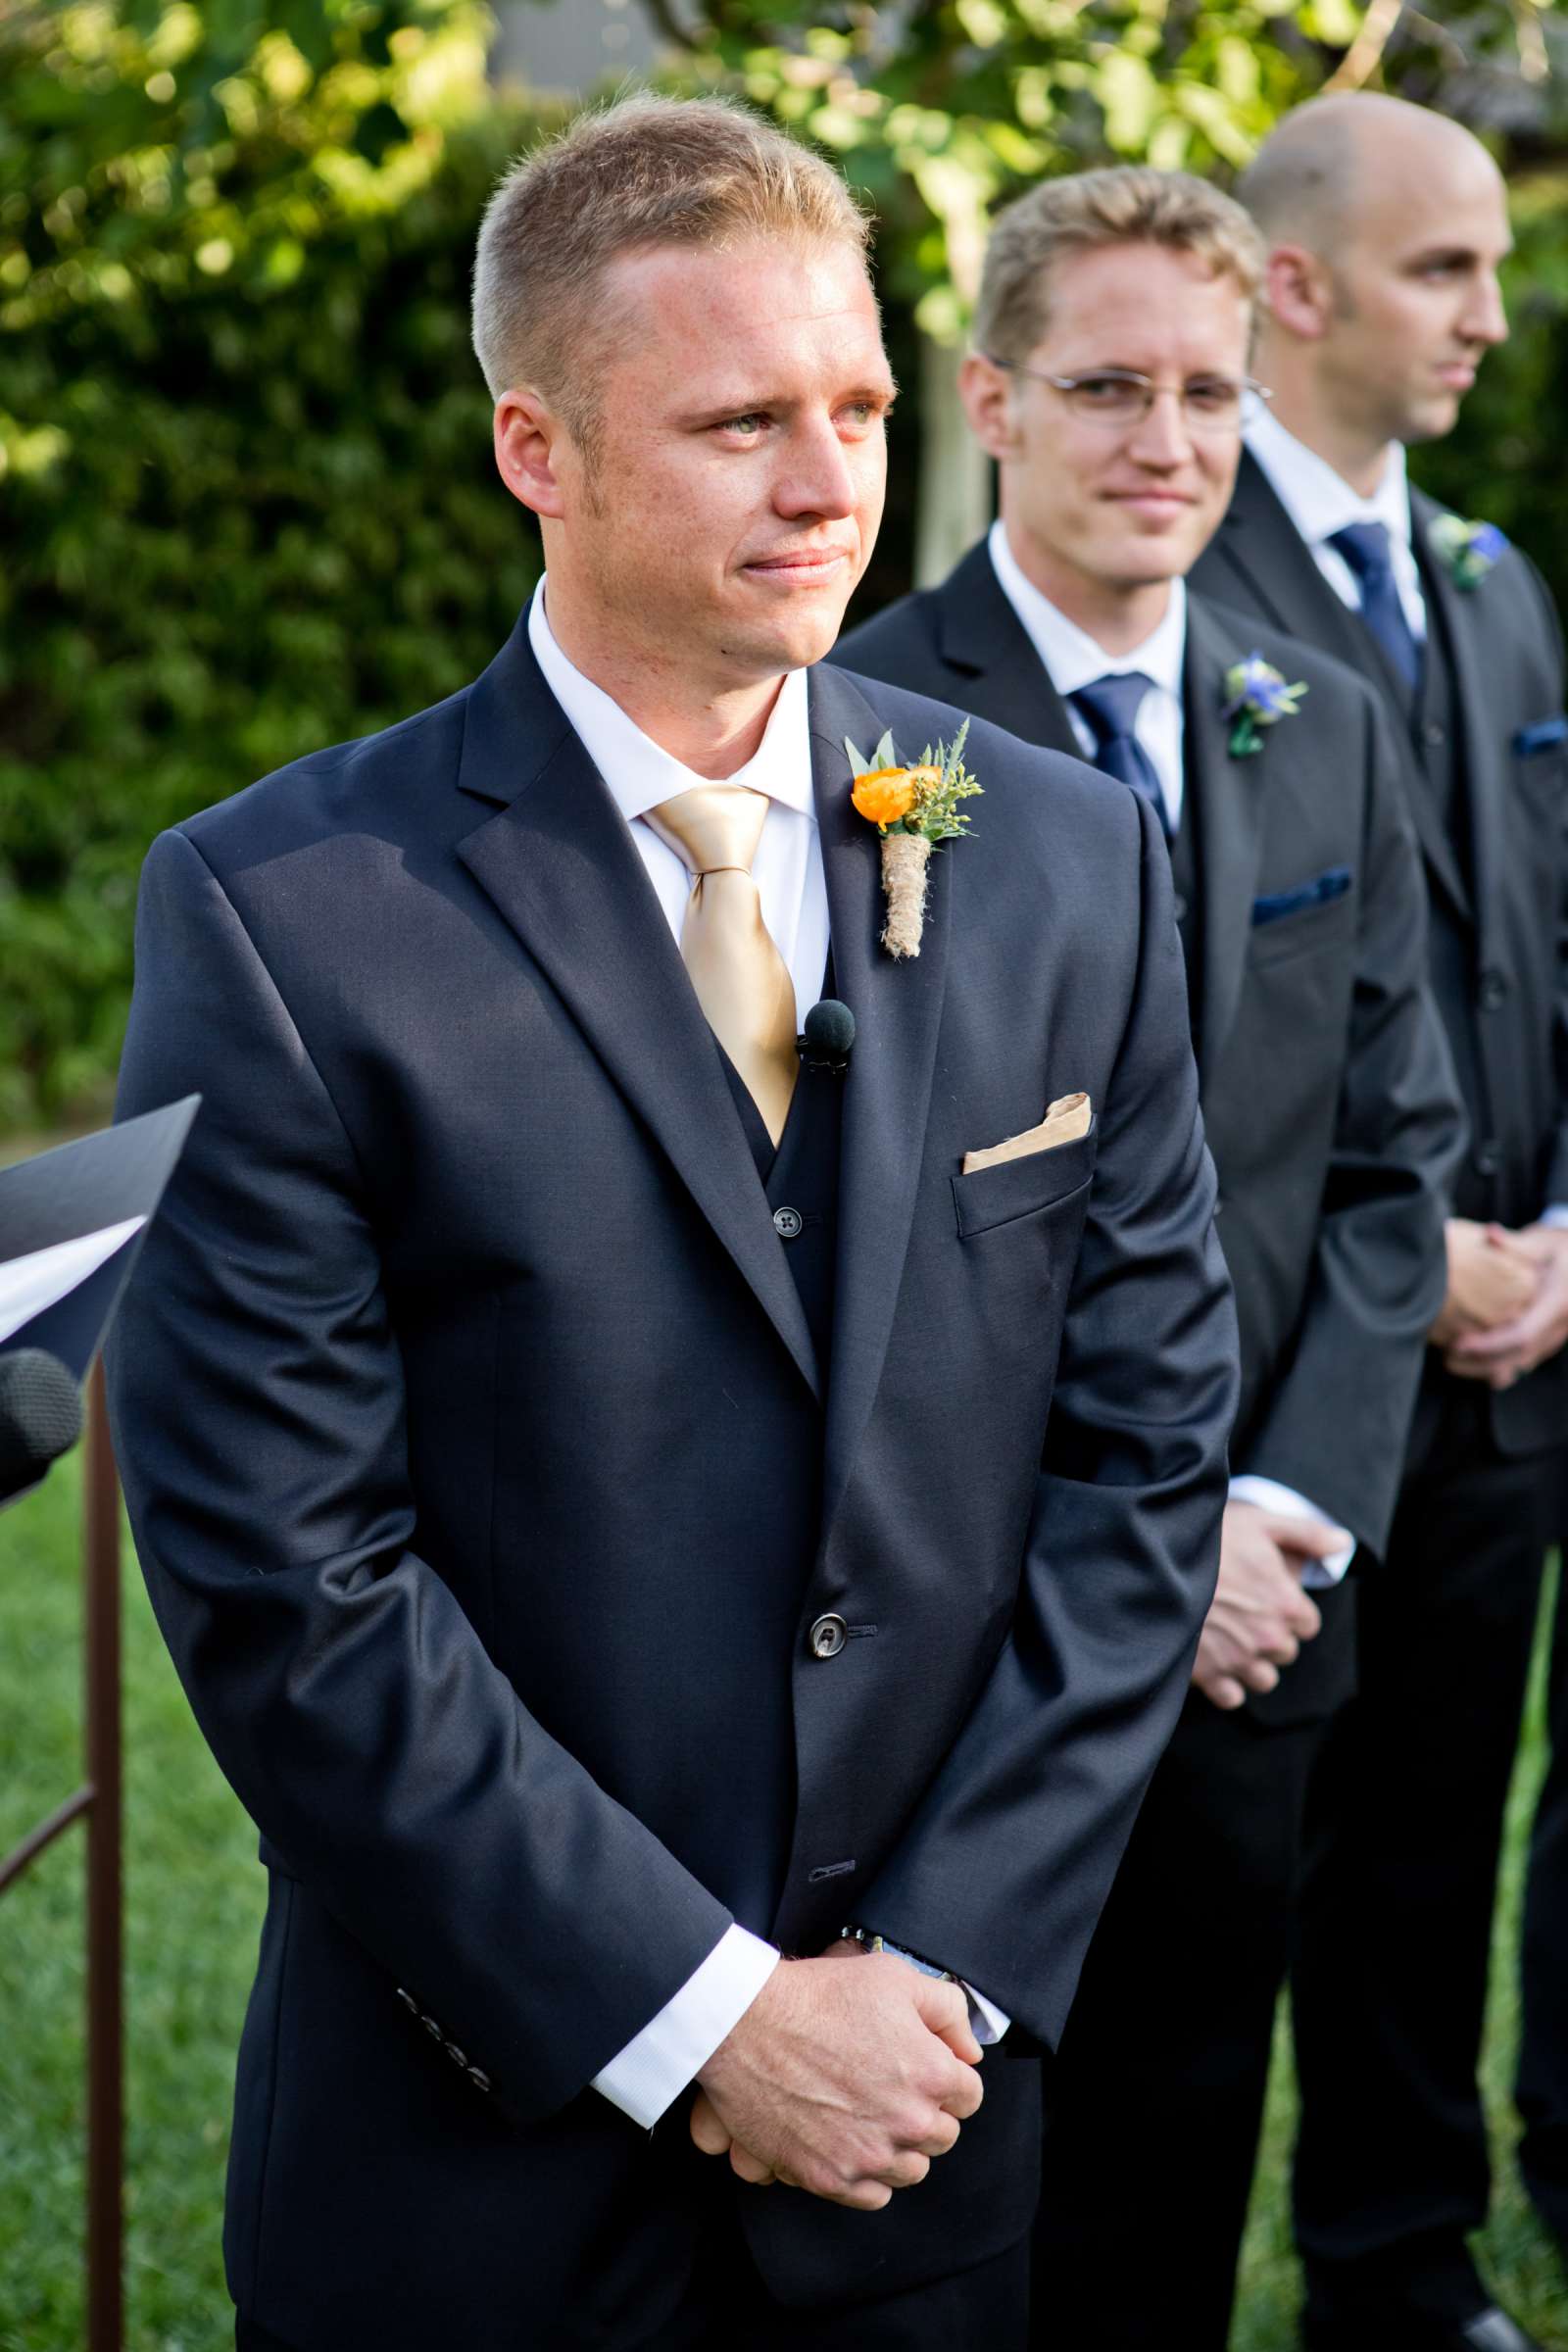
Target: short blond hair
[
  {"x": 1130, "y": 204},
  {"x": 643, "y": 173}
]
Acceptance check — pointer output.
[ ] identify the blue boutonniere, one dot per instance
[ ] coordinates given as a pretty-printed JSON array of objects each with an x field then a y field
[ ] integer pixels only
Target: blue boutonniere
[
  {"x": 1467, "y": 551},
  {"x": 1255, "y": 697}
]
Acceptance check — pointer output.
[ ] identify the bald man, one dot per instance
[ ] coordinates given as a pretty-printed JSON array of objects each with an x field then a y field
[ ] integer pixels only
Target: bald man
[{"x": 1386, "y": 226}]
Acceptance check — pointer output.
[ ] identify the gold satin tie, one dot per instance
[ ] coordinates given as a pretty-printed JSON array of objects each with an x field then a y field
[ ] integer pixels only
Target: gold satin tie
[{"x": 742, "y": 981}]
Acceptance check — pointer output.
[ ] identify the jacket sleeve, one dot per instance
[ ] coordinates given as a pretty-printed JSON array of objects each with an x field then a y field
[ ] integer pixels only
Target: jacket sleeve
[
  {"x": 1335, "y": 1426},
  {"x": 1010, "y": 1854},
  {"x": 257, "y": 1404}
]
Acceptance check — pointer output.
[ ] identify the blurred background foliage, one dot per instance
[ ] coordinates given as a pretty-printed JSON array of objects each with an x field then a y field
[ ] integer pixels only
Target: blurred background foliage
[{"x": 246, "y": 495}]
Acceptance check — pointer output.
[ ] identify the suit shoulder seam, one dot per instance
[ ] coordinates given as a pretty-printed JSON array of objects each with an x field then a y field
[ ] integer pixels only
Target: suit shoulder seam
[{"x": 276, "y": 991}]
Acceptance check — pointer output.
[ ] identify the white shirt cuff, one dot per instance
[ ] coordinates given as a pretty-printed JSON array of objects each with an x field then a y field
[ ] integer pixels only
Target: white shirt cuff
[
  {"x": 1555, "y": 1214},
  {"x": 987, "y": 2023},
  {"x": 1270, "y": 1495},
  {"x": 657, "y": 2065}
]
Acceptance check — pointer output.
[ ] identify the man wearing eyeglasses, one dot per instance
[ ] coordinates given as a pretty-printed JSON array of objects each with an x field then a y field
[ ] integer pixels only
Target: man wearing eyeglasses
[
  {"x": 1386, "y": 226},
  {"x": 1110, "y": 383}
]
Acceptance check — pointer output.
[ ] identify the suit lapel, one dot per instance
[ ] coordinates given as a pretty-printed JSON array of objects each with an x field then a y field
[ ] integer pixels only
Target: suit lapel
[
  {"x": 559, "y": 862},
  {"x": 1228, "y": 793},
  {"x": 897, "y": 1011},
  {"x": 1259, "y": 540},
  {"x": 979, "y": 634},
  {"x": 1484, "y": 779}
]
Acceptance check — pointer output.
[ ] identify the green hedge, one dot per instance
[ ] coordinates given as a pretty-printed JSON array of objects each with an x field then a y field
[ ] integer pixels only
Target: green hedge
[
  {"x": 1504, "y": 461},
  {"x": 247, "y": 501}
]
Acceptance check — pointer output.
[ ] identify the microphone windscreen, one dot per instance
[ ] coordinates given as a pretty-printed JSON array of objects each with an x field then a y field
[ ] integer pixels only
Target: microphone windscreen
[
  {"x": 40, "y": 1417},
  {"x": 830, "y": 1030}
]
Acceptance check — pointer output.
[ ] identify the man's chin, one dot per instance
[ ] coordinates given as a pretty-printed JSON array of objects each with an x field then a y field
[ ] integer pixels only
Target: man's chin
[
  {"x": 793, "y": 641},
  {"x": 1430, "y": 420},
  {"x": 1142, "y": 567}
]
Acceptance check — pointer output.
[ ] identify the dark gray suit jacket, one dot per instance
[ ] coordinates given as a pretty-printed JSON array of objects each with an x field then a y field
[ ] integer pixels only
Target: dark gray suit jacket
[
  {"x": 1327, "y": 1093},
  {"x": 487, "y": 1485},
  {"x": 1499, "y": 898}
]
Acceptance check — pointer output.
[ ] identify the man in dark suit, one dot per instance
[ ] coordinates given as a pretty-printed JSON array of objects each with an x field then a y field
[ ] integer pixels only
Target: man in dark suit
[
  {"x": 1109, "y": 383},
  {"x": 1386, "y": 226},
  {"x": 625, "y": 1505}
]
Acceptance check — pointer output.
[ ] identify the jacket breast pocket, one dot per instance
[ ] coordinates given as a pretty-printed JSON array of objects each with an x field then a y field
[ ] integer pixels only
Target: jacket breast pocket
[
  {"x": 1542, "y": 735},
  {"x": 1293, "y": 922},
  {"x": 1022, "y": 1190},
  {"x": 1541, "y": 759}
]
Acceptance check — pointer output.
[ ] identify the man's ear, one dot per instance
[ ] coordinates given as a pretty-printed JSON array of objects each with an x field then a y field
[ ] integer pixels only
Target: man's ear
[
  {"x": 986, "y": 391},
  {"x": 1298, "y": 292},
  {"x": 530, "y": 440}
]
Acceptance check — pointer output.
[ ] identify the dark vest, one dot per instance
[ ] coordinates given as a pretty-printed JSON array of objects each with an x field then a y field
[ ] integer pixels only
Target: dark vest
[
  {"x": 1438, "y": 738},
  {"x": 1185, "y": 869},
  {"x": 802, "y": 1181},
  {"x": 1438, "y": 735}
]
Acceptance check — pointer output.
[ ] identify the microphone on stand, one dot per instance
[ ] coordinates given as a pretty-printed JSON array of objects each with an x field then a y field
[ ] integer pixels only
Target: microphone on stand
[
  {"x": 40, "y": 1418},
  {"x": 827, "y": 1038}
]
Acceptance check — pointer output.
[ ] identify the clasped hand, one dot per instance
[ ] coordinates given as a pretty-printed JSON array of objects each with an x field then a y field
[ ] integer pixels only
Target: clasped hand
[
  {"x": 1260, "y": 1615},
  {"x": 1506, "y": 1308},
  {"x": 846, "y": 2077}
]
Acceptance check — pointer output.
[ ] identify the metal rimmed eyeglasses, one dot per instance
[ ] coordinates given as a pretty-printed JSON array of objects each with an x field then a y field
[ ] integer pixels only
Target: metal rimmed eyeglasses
[{"x": 1120, "y": 396}]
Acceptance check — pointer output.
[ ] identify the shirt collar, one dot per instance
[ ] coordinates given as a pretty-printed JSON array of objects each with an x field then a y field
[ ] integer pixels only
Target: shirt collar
[
  {"x": 1071, "y": 657},
  {"x": 1319, "y": 501},
  {"x": 637, "y": 771}
]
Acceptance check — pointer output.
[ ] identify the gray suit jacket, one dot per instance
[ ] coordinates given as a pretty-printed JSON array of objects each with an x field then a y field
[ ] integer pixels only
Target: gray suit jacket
[
  {"x": 1327, "y": 1093},
  {"x": 1500, "y": 892}
]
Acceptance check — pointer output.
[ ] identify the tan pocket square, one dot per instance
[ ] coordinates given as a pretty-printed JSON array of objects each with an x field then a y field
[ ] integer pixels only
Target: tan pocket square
[{"x": 1066, "y": 1120}]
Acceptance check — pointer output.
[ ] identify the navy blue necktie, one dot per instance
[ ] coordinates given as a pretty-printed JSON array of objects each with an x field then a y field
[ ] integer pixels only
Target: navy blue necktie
[
  {"x": 1365, "y": 547},
  {"x": 1110, "y": 706}
]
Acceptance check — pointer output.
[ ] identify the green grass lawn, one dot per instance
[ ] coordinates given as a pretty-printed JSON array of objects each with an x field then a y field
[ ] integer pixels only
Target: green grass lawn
[{"x": 194, "y": 1903}]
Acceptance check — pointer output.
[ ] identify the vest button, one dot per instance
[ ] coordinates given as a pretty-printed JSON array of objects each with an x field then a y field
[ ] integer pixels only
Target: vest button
[
  {"x": 826, "y": 1637},
  {"x": 1487, "y": 1157},
  {"x": 1493, "y": 988},
  {"x": 1180, "y": 907},
  {"x": 787, "y": 1223},
  {"x": 1435, "y": 733}
]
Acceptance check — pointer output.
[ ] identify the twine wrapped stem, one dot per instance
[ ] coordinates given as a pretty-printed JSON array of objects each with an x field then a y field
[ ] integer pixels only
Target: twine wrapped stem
[{"x": 906, "y": 858}]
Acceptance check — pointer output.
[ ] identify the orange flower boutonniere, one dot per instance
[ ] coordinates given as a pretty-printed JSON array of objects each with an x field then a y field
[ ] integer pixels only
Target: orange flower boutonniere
[{"x": 915, "y": 808}]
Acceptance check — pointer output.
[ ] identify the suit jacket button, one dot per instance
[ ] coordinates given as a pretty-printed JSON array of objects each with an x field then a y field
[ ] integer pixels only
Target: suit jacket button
[
  {"x": 787, "y": 1223},
  {"x": 1493, "y": 988},
  {"x": 1435, "y": 733},
  {"x": 826, "y": 1637},
  {"x": 1487, "y": 1157}
]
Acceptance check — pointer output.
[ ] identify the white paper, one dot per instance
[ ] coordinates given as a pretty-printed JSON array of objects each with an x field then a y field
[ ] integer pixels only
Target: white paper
[{"x": 27, "y": 1284}]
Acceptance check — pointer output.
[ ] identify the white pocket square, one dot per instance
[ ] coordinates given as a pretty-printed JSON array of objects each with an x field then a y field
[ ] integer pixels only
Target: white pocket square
[{"x": 1066, "y": 1120}]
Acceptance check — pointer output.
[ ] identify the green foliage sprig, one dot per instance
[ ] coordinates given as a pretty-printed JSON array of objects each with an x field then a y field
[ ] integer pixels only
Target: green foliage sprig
[{"x": 939, "y": 780}]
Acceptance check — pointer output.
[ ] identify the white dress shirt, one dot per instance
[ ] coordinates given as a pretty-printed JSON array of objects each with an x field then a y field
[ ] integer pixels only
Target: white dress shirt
[
  {"x": 1072, "y": 658},
  {"x": 657, "y": 2065},
  {"x": 1320, "y": 501},
  {"x": 638, "y": 775}
]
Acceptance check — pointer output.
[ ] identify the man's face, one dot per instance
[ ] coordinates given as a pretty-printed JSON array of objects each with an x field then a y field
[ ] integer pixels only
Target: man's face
[
  {"x": 1415, "y": 299},
  {"x": 740, "y": 462},
  {"x": 1124, "y": 506}
]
